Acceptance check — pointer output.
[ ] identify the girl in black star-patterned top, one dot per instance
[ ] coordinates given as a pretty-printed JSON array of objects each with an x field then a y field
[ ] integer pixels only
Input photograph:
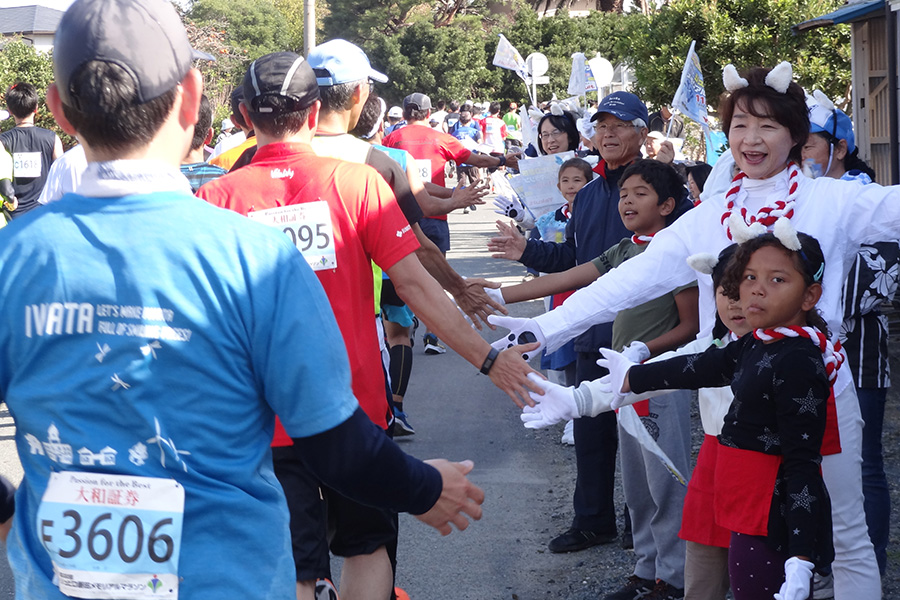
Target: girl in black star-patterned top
[{"x": 769, "y": 488}]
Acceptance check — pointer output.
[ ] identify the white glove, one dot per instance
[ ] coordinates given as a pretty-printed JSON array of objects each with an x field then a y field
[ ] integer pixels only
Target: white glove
[
  {"x": 496, "y": 295},
  {"x": 513, "y": 208},
  {"x": 636, "y": 352},
  {"x": 618, "y": 365},
  {"x": 557, "y": 404},
  {"x": 797, "y": 575},
  {"x": 521, "y": 331}
]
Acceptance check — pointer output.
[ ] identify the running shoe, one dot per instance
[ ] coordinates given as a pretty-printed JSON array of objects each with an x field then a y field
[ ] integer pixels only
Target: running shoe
[
  {"x": 432, "y": 345},
  {"x": 325, "y": 590},
  {"x": 401, "y": 424},
  {"x": 400, "y": 594}
]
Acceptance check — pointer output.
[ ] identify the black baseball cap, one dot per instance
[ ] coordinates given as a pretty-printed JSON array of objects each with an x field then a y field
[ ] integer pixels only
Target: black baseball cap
[
  {"x": 144, "y": 37},
  {"x": 283, "y": 74},
  {"x": 417, "y": 101}
]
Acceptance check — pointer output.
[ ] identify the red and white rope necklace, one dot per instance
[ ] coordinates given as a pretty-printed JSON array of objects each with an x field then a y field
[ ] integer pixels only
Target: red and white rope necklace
[
  {"x": 767, "y": 215},
  {"x": 641, "y": 239},
  {"x": 831, "y": 353}
]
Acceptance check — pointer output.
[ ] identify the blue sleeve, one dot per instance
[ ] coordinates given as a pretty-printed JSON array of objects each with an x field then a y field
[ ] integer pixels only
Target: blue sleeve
[
  {"x": 357, "y": 459},
  {"x": 550, "y": 257},
  {"x": 299, "y": 357}
]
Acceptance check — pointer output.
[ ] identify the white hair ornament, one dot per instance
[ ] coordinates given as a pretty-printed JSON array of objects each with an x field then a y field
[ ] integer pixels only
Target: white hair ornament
[
  {"x": 741, "y": 231},
  {"x": 703, "y": 262},
  {"x": 732, "y": 80},
  {"x": 823, "y": 100},
  {"x": 786, "y": 234},
  {"x": 779, "y": 78}
]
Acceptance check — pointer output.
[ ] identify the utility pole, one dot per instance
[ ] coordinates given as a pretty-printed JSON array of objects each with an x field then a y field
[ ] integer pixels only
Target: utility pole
[{"x": 309, "y": 26}]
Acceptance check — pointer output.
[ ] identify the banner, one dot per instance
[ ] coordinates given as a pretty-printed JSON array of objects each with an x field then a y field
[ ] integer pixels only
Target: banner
[
  {"x": 690, "y": 98},
  {"x": 508, "y": 57}
]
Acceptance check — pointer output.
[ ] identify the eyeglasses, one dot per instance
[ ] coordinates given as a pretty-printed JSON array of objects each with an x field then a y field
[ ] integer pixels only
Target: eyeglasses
[
  {"x": 371, "y": 86},
  {"x": 613, "y": 128},
  {"x": 551, "y": 134}
]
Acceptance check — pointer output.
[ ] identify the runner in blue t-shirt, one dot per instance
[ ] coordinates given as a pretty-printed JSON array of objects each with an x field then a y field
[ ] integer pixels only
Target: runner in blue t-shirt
[{"x": 467, "y": 129}]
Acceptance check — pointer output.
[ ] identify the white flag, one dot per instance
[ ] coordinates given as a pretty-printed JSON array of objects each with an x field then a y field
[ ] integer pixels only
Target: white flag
[
  {"x": 578, "y": 78},
  {"x": 508, "y": 57}
]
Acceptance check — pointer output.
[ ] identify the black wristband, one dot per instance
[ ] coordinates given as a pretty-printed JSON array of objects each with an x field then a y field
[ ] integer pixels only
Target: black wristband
[
  {"x": 502, "y": 158},
  {"x": 489, "y": 361}
]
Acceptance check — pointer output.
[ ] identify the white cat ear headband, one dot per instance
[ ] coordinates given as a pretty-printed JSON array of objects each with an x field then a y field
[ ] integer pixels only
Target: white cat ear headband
[
  {"x": 783, "y": 231},
  {"x": 778, "y": 78}
]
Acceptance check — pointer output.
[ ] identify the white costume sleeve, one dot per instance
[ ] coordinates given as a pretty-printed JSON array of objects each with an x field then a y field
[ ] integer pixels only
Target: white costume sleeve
[
  {"x": 592, "y": 399},
  {"x": 661, "y": 268}
]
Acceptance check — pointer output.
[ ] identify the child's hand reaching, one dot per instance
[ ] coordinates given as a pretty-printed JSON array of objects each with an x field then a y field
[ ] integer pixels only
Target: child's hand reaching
[
  {"x": 618, "y": 365},
  {"x": 557, "y": 404},
  {"x": 797, "y": 574}
]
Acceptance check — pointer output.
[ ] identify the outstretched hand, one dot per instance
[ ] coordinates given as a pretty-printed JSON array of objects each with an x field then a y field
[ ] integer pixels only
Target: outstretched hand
[
  {"x": 512, "y": 374},
  {"x": 521, "y": 331},
  {"x": 478, "y": 300},
  {"x": 618, "y": 365},
  {"x": 557, "y": 404},
  {"x": 510, "y": 244},
  {"x": 459, "y": 497},
  {"x": 466, "y": 196}
]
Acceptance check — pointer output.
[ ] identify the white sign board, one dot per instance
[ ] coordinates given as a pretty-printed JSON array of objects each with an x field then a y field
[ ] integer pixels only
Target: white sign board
[{"x": 536, "y": 182}]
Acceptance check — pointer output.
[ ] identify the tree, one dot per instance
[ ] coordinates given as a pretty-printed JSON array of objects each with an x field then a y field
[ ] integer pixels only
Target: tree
[
  {"x": 255, "y": 25},
  {"x": 744, "y": 33},
  {"x": 19, "y": 61}
]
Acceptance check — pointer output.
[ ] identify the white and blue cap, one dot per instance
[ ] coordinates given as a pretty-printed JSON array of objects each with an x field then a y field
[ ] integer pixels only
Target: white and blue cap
[
  {"x": 338, "y": 61},
  {"x": 825, "y": 118}
]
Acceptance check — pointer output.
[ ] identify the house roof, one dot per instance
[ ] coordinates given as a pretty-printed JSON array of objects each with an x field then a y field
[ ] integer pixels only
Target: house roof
[
  {"x": 847, "y": 13},
  {"x": 29, "y": 19}
]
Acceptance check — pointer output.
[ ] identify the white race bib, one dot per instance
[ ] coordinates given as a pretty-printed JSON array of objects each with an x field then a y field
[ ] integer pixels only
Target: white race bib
[
  {"x": 26, "y": 164},
  {"x": 424, "y": 167},
  {"x": 112, "y": 536},
  {"x": 309, "y": 227}
]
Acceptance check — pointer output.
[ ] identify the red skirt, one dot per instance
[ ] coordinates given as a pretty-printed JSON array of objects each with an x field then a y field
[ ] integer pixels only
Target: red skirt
[
  {"x": 831, "y": 441},
  {"x": 745, "y": 484},
  {"x": 697, "y": 522}
]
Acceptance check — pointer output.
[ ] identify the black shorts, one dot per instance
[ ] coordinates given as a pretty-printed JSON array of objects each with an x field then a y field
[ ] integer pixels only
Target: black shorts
[
  {"x": 438, "y": 231},
  {"x": 322, "y": 519}
]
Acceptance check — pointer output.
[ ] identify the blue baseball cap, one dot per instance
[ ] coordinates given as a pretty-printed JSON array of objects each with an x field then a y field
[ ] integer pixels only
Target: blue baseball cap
[
  {"x": 338, "y": 61},
  {"x": 623, "y": 105},
  {"x": 833, "y": 122}
]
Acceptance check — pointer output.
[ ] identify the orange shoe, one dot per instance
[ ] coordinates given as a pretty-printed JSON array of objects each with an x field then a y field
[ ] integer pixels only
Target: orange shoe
[{"x": 401, "y": 595}]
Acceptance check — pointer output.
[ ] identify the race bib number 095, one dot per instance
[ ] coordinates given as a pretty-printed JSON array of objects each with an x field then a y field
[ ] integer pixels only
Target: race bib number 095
[
  {"x": 309, "y": 227},
  {"x": 113, "y": 536}
]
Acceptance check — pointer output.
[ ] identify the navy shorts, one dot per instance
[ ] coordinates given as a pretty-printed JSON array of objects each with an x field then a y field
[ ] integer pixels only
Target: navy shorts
[
  {"x": 438, "y": 231},
  {"x": 322, "y": 519}
]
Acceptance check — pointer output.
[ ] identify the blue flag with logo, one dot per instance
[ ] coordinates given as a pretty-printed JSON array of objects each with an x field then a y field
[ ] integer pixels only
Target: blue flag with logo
[{"x": 690, "y": 99}]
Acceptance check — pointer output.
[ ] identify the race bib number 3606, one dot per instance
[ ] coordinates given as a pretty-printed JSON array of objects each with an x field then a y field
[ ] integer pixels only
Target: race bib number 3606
[
  {"x": 113, "y": 536},
  {"x": 309, "y": 227}
]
